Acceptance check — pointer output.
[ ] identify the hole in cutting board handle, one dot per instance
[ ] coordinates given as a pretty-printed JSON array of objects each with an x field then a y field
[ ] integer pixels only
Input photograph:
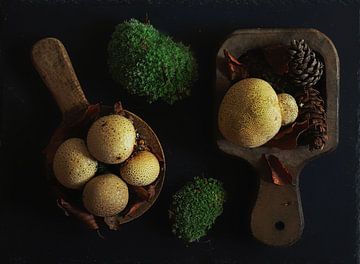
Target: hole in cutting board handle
[
  {"x": 280, "y": 225},
  {"x": 276, "y": 218}
]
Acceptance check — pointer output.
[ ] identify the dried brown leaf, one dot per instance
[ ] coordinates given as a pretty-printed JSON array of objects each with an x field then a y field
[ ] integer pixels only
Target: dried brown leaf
[
  {"x": 118, "y": 108},
  {"x": 278, "y": 57},
  {"x": 287, "y": 138},
  {"x": 141, "y": 192},
  {"x": 151, "y": 191},
  {"x": 144, "y": 193},
  {"x": 285, "y": 131},
  {"x": 112, "y": 222},
  {"x": 279, "y": 174},
  {"x": 134, "y": 208},
  {"x": 87, "y": 218},
  {"x": 236, "y": 70}
]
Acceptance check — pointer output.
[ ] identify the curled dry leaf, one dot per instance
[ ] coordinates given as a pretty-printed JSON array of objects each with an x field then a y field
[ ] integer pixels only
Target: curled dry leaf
[
  {"x": 82, "y": 215},
  {"x": 112, "y": 222},
  {"x": 89, "y": 116},
  {"x": 236, "y": 70},
  {"x": 279, "y": 174},
  {"x": 140, "y": 191},
  {"x": 285, "y": 131},
  {"x": 134, "y": 208},
  {"x": 118, "y": 108},
  {"x": 144, "y": 193},
  {"x": 278, "y": 57},
  {"x": 152, "y": 191},
  {"x": 287, "y": 138}
]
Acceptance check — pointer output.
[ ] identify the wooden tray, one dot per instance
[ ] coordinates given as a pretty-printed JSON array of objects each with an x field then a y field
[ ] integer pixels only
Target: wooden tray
[{"x": 277, "y": 217}]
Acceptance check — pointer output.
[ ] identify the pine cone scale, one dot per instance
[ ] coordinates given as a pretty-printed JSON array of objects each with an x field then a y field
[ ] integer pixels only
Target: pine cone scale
[
  {"x": 312, "y": 109},
  {"x": 305, "y": 69}
]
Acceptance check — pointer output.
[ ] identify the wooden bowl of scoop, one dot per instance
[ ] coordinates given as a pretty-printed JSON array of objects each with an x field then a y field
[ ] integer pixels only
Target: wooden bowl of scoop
[{"x": 52, "y": 61}]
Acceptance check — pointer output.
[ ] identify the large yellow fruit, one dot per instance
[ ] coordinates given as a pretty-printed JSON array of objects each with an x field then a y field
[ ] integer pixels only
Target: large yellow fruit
[
  {"x": 111, "y": 139},
  {"x": 105, "y": 195},
  {"x": 249, "y": 113},
  {"x": 141, "y": 170},
  {"x": 73, "y": 165}
]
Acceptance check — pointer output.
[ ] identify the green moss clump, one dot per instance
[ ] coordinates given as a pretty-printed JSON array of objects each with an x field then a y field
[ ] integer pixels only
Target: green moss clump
[
  {"x": 195, "y": 208},
  {"x": 149, "y": 64}
]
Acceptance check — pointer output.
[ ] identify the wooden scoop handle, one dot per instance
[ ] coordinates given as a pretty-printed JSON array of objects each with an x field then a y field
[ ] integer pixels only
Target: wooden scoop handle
[
  {"x": 277, "y": 218},
  {"x": 52, "y": 61}
]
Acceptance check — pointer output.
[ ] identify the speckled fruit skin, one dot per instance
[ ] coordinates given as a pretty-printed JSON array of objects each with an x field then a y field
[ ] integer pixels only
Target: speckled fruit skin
[
  {"x": 141, "y": 170},
  {"x": 73, "y": 165},
  {"x": 249, "y": 113},
  {"x": 105, "y": 195},
  {"x": 289, "y": 108},
  {"x": 111, "y": 139}
]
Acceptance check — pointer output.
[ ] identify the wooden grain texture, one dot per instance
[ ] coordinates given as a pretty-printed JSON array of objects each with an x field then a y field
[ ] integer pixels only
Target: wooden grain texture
[
  {"x": 277, "y": 217},
  {"x": 52, "y": 61}
]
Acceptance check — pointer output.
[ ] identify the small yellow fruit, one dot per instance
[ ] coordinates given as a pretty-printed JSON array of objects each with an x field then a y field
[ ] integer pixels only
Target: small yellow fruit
[
  {"x": 111, "y": 139},
  {"x": 288, "y": 107},
  {"x": 105, "y": 195},
  {"x": 141, "y": 170},
  {"x": 73, "y": 166},
  {"x": 249, "y": 113}
]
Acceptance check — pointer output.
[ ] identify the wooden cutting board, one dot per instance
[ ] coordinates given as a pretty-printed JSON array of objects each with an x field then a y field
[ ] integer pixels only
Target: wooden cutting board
[{"x": 277, "y": 217}]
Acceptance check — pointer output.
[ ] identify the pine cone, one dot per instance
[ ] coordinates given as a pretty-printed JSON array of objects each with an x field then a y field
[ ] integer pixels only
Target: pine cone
[
  {"x": 311, "y": 108},
  {"x": 305, "y": 69}
]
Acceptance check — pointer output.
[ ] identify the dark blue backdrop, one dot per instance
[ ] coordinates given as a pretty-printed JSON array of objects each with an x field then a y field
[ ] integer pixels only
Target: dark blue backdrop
[{"x": 33, "y": 230}]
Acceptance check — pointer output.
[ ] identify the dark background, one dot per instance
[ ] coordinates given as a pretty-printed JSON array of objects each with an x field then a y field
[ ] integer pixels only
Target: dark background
[{"x": 34, "y": 230}]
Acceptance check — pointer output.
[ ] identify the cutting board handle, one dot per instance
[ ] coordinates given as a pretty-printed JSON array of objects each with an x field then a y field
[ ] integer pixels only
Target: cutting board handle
[
  {"x": 277, "y": 217},
  {"x": 52, "y": 61}
]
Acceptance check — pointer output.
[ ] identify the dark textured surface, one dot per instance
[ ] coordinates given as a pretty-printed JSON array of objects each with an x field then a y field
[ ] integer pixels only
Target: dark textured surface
[{"x": 33, "y": 230}]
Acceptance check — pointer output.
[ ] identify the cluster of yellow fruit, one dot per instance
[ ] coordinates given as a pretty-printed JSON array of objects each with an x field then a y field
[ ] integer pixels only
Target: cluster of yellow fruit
[
  {"x": 251, "y": 113},
  {"x": 111, "y": 140}
]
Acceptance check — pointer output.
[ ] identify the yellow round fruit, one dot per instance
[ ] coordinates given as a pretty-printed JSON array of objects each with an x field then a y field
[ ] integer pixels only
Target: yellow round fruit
[
  {"x": 111, "y": 139},
  {"x": 288, "y": 107},
  {"x": 249, "y": 113},
  {"x": 141, "y": 169},
  {"x": 105, "y": 195},
  {"x": 73, "y": 165}
]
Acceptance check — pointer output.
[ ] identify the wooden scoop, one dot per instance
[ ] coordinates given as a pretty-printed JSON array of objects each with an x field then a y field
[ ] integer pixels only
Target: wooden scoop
[
  {"x": 277, "y": 217},
  {"x": 52, "y": 61}
]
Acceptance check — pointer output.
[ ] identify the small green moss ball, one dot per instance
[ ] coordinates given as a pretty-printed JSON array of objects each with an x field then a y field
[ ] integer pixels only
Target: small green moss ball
[
  {"x": 195, "y": 208},
  {"x": 149, "y": 64}
]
